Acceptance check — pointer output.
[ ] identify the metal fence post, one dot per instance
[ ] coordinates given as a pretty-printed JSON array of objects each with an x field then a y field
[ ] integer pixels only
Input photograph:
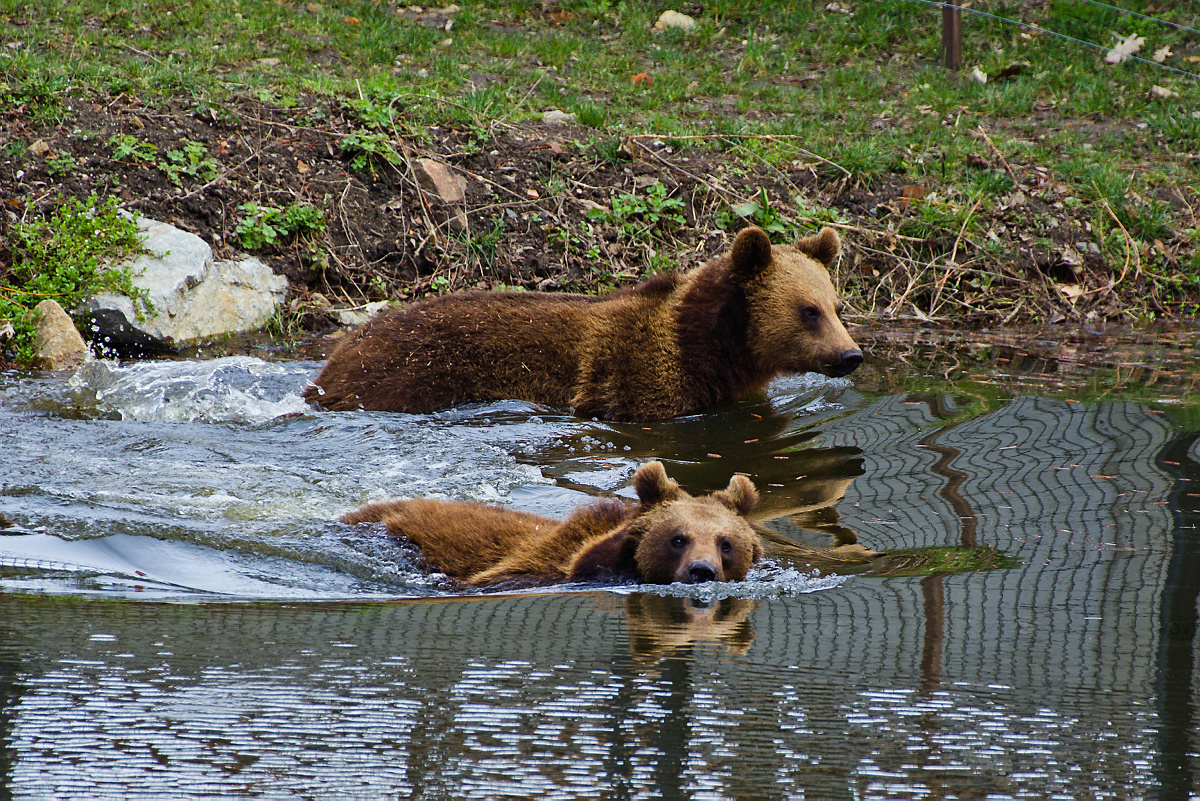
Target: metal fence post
[{"x": 951, "y": 35}]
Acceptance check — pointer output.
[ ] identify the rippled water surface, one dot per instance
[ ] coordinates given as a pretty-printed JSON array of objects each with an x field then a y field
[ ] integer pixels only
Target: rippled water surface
[{"x": 182, "y": 616}]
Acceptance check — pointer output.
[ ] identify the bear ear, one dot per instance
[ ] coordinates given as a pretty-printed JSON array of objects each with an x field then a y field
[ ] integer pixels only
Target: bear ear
[
  {"x": 824, "y": 247},
  {"x": 652, "y": 485},
  {"x": 740, "y": 495},
  {"x": 751, "y": 252}
]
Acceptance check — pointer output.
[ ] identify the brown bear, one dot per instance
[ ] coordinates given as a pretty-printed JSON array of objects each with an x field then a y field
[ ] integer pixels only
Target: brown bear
[
  {"x": 667, "y": 536},
  {"x": 672, "y": 345}
]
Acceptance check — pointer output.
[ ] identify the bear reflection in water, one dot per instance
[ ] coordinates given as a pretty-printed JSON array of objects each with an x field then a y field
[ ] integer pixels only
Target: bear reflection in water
[
  {"x": 661, "y": 627},
  {"x": 667, "y": 536}
]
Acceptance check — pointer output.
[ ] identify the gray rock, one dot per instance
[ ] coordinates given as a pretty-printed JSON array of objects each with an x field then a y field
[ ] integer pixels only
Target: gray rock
[
  {"x": 56, "y": 343},
  {"x": 559, "y": 117},
  {"x": 194, "y": 297}
]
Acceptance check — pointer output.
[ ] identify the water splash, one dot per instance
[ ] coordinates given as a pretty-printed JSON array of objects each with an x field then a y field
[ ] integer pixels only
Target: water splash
[
  {"x": 235, "y": 389},
  {"x": 766, "y": 580},
  {"x": 220, "y": 468}
]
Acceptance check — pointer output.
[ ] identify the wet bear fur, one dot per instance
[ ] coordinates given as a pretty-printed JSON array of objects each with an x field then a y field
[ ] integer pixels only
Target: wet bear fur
[
  {"x": 672, "y": 345},
  {"x": 667, "y": 536}
]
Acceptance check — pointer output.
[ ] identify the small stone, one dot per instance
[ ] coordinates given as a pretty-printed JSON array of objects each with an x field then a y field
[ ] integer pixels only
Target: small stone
[
  {"x": 440, "y": 180},
  {"x": 557, "y": 117},
  {"x": 676, "y": 20},
  {"x": 56, "y": 343},
  {"x": 360, "y": 314},
  {"x": 39, "y": 148}
]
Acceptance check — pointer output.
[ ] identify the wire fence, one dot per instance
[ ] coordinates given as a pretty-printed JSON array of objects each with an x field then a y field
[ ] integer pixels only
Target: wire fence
[{"x": 955, "y": 46}]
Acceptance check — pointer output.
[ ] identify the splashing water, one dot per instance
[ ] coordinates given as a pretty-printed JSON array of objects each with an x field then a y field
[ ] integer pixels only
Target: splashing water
[
  {"x": 236, "y": 389},
  {"x": 215, "y": 477}
]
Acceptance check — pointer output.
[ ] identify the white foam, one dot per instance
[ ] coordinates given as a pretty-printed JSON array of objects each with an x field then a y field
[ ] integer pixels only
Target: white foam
[
  {"x": 235, "y": 389},
  {"x": 766, "y": 580}
]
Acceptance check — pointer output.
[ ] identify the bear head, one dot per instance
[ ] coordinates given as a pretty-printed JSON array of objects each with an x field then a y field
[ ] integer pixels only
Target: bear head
[
  {"x": 795, "y": 324},
  {"x": 675, "y": 537}
]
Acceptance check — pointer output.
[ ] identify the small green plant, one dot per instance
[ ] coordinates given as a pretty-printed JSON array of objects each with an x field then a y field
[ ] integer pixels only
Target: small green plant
[
  {"x": 607, "y": 148},
  {"x": 591, "y": 114},
  {"x": 127, "y": 147},
  {"x": 760, "y": 212},
  {"x": 263, "y": 226},
  {"x": 637, "y": 215},
  {"x": 60, "y": 163},
  {"x": 65, "y": 256},
  {"x": 369, "y": 151},
  {"x": 1149, "y": 219},
  {"x": 861, "y": 160},
  {"x": 193, "y": 160},
  {"x": 373, "y": 113},
  {"x": 485, "y": 246}
]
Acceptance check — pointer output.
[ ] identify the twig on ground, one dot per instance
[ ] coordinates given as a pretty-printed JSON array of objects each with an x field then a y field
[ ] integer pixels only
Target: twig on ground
[
  {"x": 999, "y": 155},
  {"x": 951, "y": 266},
  {"x": 1130, "y": 247}
]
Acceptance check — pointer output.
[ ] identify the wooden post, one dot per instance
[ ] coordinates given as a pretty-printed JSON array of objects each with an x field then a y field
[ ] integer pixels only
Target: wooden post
[{"x": 951, "y": 35}]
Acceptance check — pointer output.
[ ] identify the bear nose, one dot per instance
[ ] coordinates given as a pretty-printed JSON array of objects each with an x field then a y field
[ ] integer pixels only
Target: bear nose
[
  {"x": 700, "y": 572},
  {"x": 846, "y": 363}
]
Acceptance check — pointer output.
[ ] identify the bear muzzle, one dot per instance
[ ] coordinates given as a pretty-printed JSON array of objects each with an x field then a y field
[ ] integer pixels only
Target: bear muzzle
[
  {"x": 699, "y": 572},
  {"x": 846, "y": 363}
]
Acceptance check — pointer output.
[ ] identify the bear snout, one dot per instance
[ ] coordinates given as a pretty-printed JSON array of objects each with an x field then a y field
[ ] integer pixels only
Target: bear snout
[
  {"x": 699, "y": 572},
  {"x": 845, "y": 364}
]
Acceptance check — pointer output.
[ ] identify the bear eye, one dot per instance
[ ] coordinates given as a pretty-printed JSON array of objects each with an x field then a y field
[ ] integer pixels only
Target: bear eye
[
  {"x": 726, "y": 546},
  {"x": 678, "y": 541},
  {"x": 809, "y": 314}
]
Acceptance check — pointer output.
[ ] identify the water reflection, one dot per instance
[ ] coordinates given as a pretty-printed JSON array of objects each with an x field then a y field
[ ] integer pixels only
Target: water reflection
[
  {"x": 10, "y": 692},
  {"x": 662, "y": 626},
  {"x": 1176, "y": 683}
]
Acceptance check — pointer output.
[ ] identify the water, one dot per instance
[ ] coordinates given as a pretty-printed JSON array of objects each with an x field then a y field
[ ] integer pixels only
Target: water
[{"x": 181, "y": 615}]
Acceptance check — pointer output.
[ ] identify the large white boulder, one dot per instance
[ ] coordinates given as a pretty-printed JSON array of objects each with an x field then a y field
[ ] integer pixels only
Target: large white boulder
[{"x": 194, "y": 296}]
